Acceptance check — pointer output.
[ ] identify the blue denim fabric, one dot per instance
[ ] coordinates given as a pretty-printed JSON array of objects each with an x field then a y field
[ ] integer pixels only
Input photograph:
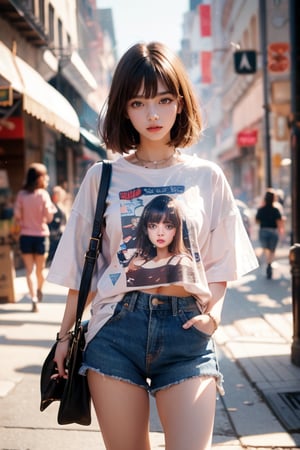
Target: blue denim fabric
[
  {"x": 144, "y": 343},
  {"x": 269, "y": 238}
]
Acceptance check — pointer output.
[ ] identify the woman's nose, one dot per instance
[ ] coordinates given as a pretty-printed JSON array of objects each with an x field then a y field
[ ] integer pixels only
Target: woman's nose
[
  {"x": 152, "y": 115},
  {"x": 160, "y": 230}
]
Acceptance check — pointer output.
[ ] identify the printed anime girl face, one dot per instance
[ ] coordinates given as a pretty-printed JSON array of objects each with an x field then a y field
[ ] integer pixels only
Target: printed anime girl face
[
  {"x": 161, "y": 234},
  {"x": 161, "y": 223}
]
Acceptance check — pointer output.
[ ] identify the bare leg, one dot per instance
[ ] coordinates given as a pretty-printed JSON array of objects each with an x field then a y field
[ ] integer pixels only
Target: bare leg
[
  {"x": 187, "y": 412},
  {"x": 30, "y": 273},
  {"x": 40, "y": 261},
  {"x": 269, "y": 256},
  {"x": 29, "y": 261},
  {"x": 123, "y": 412}
]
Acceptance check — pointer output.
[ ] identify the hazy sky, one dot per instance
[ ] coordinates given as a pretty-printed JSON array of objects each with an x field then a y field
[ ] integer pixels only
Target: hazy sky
[{"x": 147, "y": 20}]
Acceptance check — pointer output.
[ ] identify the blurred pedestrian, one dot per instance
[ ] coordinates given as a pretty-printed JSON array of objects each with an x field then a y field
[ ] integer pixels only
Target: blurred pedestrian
[
  {"x": 269, "y": 219},
  {"x": 33, "y": 211},
  {"x": 279, "y": 203},
  {"x": 156, "y": 337},
  {"x": 58, "y": 223}
]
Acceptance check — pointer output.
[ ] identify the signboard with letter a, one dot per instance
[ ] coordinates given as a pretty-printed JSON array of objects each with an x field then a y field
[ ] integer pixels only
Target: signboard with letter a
[{"x": 245, "y": 62}]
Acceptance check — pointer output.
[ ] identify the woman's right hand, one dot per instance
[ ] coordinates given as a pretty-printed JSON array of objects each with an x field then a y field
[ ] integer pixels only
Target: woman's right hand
[{"x": 60, "y": 357}]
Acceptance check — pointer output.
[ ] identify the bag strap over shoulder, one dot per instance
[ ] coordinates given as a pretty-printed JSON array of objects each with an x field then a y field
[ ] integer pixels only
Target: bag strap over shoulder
[{"x": 95, "y": 242}]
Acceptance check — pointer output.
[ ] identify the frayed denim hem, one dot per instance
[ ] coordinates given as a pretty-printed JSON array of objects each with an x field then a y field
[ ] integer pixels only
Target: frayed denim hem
[
  {"x": 83, "y": 371},
  {"x": 218, "y": 378}
]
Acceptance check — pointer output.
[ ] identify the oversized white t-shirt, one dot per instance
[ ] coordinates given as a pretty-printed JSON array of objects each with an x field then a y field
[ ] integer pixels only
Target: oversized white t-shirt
[{"x": 216, "y": 245}]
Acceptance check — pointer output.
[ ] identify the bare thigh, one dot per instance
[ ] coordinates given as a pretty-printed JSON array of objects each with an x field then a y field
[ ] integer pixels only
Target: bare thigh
[
  {"x": 187, "y": 412},
  {"x": 28, "y": 259},
  {"x": 122, "y": 411}
]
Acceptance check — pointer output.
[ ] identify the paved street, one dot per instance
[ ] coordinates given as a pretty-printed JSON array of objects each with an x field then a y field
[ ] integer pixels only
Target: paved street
[{"x": 254, "y": 345}]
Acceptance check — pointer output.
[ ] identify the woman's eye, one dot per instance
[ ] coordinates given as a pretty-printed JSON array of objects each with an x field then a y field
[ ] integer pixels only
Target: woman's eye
[
  {"x": 151, "y": 226},
  {"x": 166, "y": 100},
  {"x": 135, "y": 104},
  {"x": 169, "y": 226}
]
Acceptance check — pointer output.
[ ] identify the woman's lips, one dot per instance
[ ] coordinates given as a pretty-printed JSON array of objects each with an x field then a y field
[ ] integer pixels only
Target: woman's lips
[{"x": 154, "y": 129}]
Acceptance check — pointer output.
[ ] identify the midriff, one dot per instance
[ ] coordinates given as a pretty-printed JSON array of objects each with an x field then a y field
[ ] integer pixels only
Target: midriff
[{"x": 176, "y": 291}]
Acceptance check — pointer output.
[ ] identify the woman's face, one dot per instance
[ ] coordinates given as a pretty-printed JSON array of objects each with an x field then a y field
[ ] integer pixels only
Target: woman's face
[
  {"x": 161, "y": 234},
  {"x": 153, "y": 118},
  {"x": 43, "y": 181}
]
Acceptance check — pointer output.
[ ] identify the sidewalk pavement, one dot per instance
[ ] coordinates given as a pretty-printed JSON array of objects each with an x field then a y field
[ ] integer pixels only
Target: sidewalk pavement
[{"x": 260, "y": 409}]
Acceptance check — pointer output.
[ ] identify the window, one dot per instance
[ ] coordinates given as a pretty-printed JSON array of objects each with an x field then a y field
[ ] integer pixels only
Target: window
[
  {"x": 29, "y": 5},
  {"x": 51, "y": 23},
  {"x": 42, "y": 11},
  {"x": 69, "y": 42},
  {"x": 60, "y": 34}
]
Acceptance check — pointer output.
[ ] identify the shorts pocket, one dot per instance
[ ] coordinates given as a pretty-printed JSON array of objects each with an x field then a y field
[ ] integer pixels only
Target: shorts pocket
[{"x": 187, "y": 315}]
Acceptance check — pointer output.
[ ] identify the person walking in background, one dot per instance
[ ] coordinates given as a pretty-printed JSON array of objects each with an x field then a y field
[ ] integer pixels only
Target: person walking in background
[
  {"x": 33, "y": 211},
  {"x": 270, "y": 223},
  {"x": 156, "y": 336},
  {"x": 59, "y": 221}
]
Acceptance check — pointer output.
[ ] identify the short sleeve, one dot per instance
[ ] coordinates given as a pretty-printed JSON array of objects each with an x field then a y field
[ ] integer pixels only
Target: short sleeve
[{"x": 227, "y": 253}]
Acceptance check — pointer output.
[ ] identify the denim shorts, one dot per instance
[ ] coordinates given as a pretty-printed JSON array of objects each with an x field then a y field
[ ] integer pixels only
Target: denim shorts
[
  {"x": 144, "y": 343},
  {"x": 269, "y": 238},
  {"x": 34, "y": 244}
]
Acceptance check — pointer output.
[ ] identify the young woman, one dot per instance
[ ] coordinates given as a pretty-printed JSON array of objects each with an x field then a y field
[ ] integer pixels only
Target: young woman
[
  {"x": 270, "y": 223},
  {"x": 33, "y": 211},
  {"x": 156, "y": 337}
]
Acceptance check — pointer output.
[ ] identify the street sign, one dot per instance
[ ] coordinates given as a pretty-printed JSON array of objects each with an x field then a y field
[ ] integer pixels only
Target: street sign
[
  {"x": 247, "y": 138},
  {"x": 245, "y": 62}
]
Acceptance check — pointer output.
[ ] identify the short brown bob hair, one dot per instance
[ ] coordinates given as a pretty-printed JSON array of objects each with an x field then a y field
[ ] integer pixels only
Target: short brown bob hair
[{"x": 143, "y": 65}]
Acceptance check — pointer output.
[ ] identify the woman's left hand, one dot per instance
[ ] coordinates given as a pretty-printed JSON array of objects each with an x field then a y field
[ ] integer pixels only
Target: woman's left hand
[{"x": 202, "y": 322}]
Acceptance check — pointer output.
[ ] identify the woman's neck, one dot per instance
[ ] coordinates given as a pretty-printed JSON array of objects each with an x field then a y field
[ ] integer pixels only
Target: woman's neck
[
  {"x": 149, "y": 151},
  {"x": 155, "y": 159}
]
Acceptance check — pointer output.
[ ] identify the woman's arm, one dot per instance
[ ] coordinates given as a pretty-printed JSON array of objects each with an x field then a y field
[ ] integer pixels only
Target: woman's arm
[
  {"x": 66, "y": 325},
  {"x": 209, "y": 323}
]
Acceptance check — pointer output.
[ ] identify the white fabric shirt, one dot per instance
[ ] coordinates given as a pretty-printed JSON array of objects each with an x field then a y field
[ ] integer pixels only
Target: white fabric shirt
[{"x": 218, "y": 245}]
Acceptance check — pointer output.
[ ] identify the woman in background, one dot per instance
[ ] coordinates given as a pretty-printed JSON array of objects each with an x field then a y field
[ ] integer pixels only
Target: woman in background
[
  {"x": 270, "y": 223},
  {"x": 33, "y": 211},
  {"x": 57, "y": 225}
]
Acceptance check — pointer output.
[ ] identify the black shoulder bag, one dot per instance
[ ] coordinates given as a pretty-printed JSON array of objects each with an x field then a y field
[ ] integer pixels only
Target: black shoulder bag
[{"x": 73, "y": 392}]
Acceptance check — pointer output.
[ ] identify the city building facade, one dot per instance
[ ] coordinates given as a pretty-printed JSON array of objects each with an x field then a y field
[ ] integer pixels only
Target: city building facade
[
  {"x": 237, "y": 53},
  {"x": 56, "y": 63}
]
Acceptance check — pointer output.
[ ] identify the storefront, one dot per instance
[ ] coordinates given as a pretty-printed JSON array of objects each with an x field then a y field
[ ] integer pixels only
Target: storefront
[{"x": 35, "y": 120}]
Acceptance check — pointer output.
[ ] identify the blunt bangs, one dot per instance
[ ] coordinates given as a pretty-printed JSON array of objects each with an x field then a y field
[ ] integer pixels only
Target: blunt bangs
[
  {"x": 163, "y": 208},
  {"x": 142, "y": 67},
  {"x": 146, "y": 75}
]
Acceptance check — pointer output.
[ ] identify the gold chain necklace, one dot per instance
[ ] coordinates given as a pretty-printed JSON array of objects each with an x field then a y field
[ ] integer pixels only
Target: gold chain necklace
[{"x": 156, "y": 163}]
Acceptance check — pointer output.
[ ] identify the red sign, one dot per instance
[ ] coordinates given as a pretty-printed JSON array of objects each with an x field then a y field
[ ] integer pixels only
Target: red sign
[
  {"x": 278, "y": 57},
  {"x": 205, "y": 20},
  {"x": 12, "y": 128},
  {"x": 247, "y": 138}
]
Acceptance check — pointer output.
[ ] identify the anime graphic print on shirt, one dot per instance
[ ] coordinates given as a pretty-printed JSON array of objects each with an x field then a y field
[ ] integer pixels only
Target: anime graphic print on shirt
[{"x": 155, "y": 248}]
